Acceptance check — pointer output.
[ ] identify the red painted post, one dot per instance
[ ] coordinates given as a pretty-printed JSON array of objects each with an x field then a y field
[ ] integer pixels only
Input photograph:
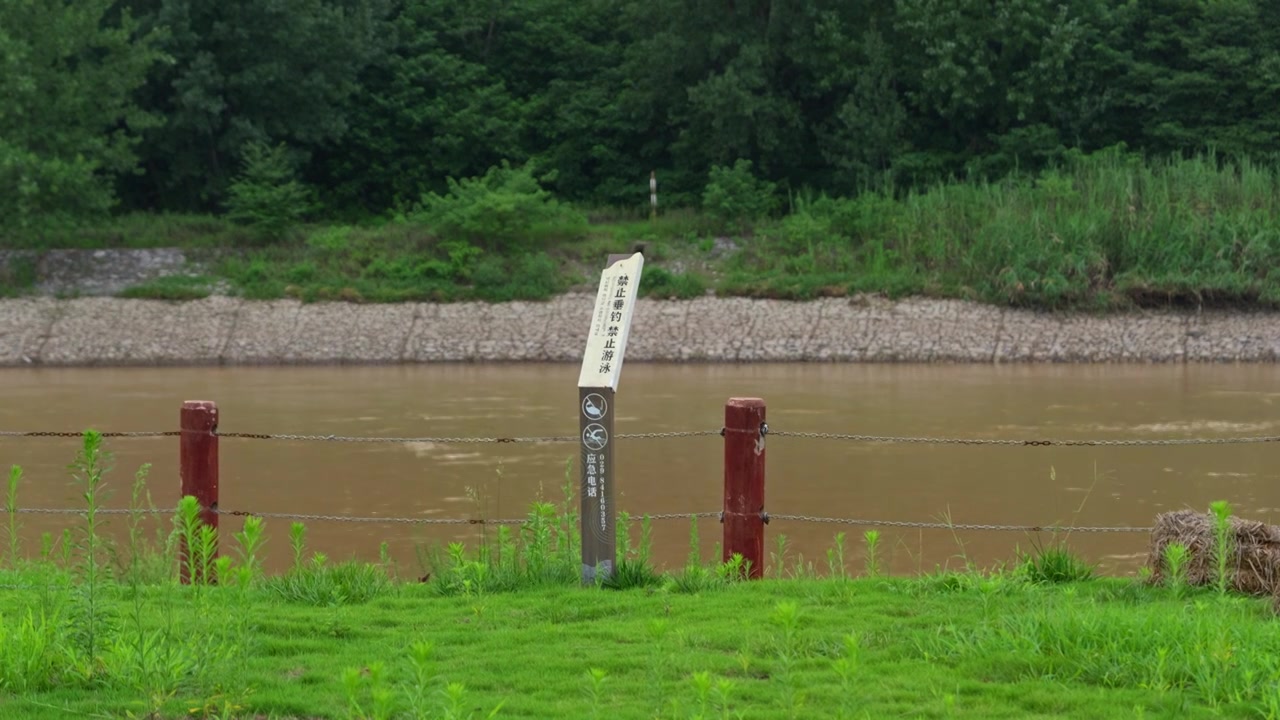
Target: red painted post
[
  {"x": 744, "y": 516},
  {"x": 198, "y": 463}
]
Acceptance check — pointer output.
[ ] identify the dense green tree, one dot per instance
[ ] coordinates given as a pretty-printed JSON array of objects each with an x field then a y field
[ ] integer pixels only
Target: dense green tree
[
  {"x": 711, "y": 82},
  {"x": 564, "y": 59},
  {"x": 863, "y": 138},
  {"x": 470, "y": 83},
  {"x": 1202, "y": 74},
  {"x": 247, "y": 71},
  {"x": 68, "y": 125},
  {"x": 999, "y": 85},
  {"x": 428, "y": 110},
  {"x": 382, "y": 101}
]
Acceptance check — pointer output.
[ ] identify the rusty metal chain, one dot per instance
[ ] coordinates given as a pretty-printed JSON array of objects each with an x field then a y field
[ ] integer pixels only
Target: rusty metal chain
[
  {"x": 676, "y": 516},
  {"x": 460, "y": 440},
  {"x": 349, "y": 518},
  {"x": 437, "y": 440},
  {"x": 440, "y": 521},
  {"x": 295, "y": 516},
  {"x": 958, "y": 526},
  {"x": 75, "y": 511},
  {"x": 373, "y": 519},
  {"x": 68, "y": 434},
  {"x": 672, "y": 434},
  {"x": 1026, "y": 443}
]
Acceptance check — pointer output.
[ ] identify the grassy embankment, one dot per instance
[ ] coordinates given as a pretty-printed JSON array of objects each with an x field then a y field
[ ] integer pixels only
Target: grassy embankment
[
  {"x": 1104, "y": 232},
  {"x": 93, "y": 629}
]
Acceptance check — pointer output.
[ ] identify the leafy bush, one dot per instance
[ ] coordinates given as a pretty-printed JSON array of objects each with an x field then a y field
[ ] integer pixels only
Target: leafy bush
[
  {"x": 533, "y": 276},
  {"x": 736, "y": 197},
  {"x": 252, "y": 277},
  {"x": 330, "y": 239},
  {"x": 870, "y": 217},
  {"x": 267, "y": 196},
  {"x": 808, "y": 244},
  {"x": 504, "y": 208},
  {"x": 462, "y": 258},
  {"x": 661, "y": 283}
]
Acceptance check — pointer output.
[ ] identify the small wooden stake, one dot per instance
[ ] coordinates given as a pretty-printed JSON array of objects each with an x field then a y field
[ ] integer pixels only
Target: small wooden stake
[{"x": 744, "y": 516}]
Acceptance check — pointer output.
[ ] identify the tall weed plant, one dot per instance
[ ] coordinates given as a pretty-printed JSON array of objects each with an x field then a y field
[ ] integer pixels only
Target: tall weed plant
[
  {"x": 11, "y": 514},
  {"x": 1223, "y": 544},
  {"x": 93, "y": 615}
]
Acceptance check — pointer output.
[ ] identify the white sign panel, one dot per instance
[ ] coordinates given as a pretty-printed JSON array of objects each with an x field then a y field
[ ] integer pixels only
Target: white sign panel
[{"x": 611, "y": 323}]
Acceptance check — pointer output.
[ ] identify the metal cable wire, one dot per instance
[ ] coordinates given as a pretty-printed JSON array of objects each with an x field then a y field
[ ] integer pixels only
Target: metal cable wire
[
  {"x": 376, "y": 519},
  {"x": 1047, "y": 442},
  {"x": 352, "y": 518},
  {"x": 437, "y": 440},
  {"x": 440, "y": 521},
  {"x": 959, "y": 526},
  {"x": 1027, "y": 443},
  {"x": 78, "y": 511},
  {"x": 676, "y": 516},
  {"x": 69, "y": 434},
  {"x": 356, "y": 439},
  {"x": 459, "y": 440}
]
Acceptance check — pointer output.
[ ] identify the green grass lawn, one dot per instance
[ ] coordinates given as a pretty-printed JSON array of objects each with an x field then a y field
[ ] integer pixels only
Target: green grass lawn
[{"x": 961, "y": 645}]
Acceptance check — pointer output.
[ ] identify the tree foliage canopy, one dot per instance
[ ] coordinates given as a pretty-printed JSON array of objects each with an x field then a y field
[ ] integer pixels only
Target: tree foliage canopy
[
  {"x": 68, "y": 120},
  {"x": 379, "y": 102}
]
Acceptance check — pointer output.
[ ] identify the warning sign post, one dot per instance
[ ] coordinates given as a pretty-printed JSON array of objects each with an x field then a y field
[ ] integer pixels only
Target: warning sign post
[{"x": 597, "y": 387}]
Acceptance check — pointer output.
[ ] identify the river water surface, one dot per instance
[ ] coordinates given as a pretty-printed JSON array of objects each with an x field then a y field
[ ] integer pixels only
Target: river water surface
[{"x": 1087, "y": 486}]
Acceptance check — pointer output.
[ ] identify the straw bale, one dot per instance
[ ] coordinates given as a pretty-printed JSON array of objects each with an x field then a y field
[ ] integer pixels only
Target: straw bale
[{"x": 1253, "y": 561}]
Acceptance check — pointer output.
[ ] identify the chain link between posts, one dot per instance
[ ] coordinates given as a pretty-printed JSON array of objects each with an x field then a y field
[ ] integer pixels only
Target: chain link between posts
[
  {"x": 1027, "y": 443},
  {"x": 350, "y": 518},
  {"x": 1048, "y": 442},
  {"x": 461, "y": 440},
  {"x": 960, "y": 526},
  {"x": 69, "y": 434}
]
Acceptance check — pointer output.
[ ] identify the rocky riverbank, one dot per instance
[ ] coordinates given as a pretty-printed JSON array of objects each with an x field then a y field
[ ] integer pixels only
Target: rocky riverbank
[{"x": 230, "y": 331}]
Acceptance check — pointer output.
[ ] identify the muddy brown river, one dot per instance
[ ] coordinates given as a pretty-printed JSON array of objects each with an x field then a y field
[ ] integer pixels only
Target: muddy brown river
[{"x": 1081, "y": 486}]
